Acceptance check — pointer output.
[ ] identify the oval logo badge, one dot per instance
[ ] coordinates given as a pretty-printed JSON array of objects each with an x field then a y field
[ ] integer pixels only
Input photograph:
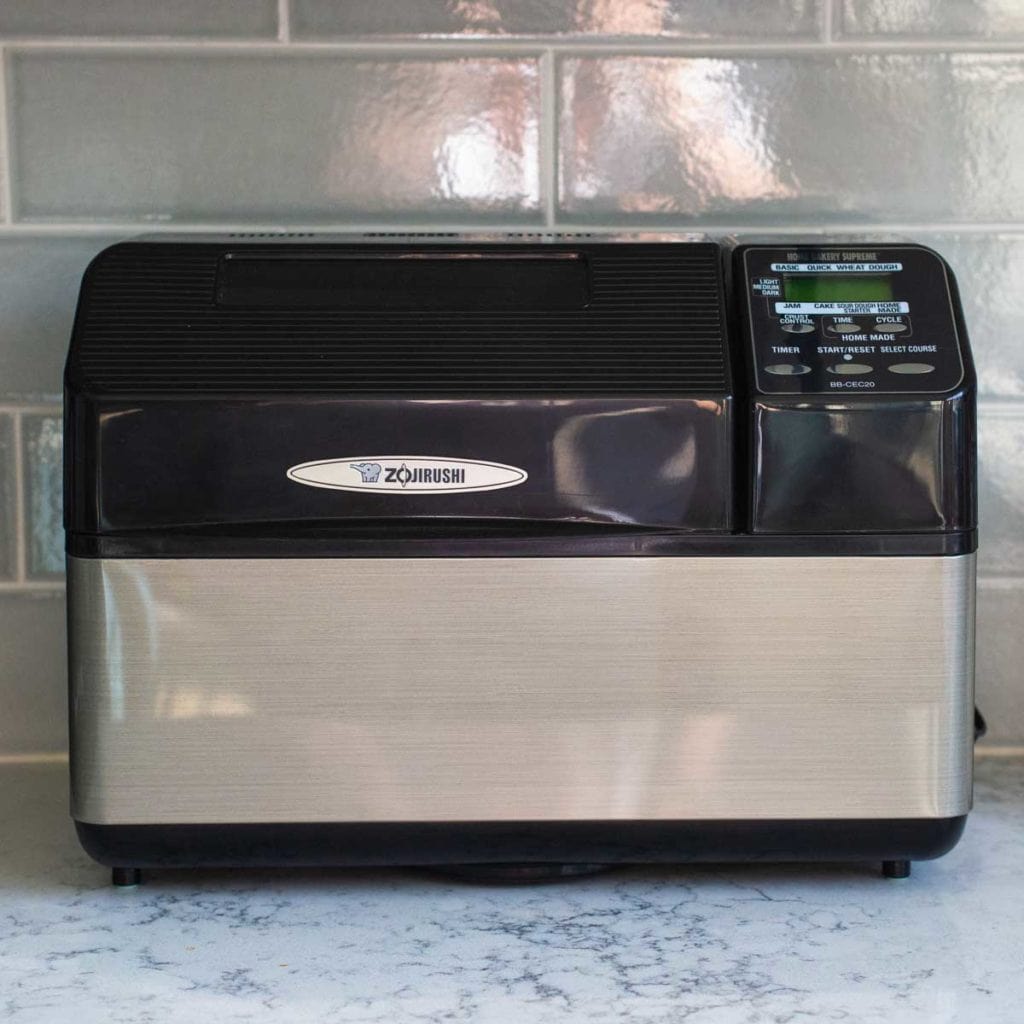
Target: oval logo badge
[{"x": 406, "y": 474}]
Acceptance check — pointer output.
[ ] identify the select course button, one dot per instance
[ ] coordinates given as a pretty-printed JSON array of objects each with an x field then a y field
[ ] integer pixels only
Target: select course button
[
  {"x": 911, "y": 368},
  {"x": 787, "y": 369},
  {"x": 797, "y": 328},
  {"x": 850, "y": 369}
]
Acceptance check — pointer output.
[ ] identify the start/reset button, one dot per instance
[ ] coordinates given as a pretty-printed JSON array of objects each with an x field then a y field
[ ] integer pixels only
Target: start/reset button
[{"x": 850, "y": 369}]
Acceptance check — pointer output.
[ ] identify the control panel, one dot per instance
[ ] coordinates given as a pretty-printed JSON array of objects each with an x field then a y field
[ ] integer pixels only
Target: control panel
[{"x": 848, "y": 319}]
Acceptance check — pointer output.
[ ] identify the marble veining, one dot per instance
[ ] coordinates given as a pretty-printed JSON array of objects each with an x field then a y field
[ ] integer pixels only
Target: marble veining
[{"x": 700, "y": 944}]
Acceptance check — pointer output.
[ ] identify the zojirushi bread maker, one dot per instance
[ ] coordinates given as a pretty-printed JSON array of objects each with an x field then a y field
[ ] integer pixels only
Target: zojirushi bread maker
[{"x": 542, "y": 551}]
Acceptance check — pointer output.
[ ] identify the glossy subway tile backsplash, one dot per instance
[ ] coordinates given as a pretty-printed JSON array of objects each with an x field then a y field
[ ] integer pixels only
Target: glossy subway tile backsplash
[
  {"x": 861, "y": 138},
  {"x": 222, "y": 137},
  {"x": 40, "y": 281},
  {"x": 42, "y": 441},
  {"x": 871, "y": 117},
  {"x": 673, "y": 19},
  {"x": 33, "y": 674},
  {"x": 989, "y": 269},
  {"x": 1001, "y": 490},
  {"x": 954, "y": 19},
  {"x": 199, "y": 19}
]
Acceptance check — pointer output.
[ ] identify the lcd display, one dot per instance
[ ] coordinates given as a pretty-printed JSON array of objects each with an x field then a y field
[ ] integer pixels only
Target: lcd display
[{"x": 837, "y": 288}]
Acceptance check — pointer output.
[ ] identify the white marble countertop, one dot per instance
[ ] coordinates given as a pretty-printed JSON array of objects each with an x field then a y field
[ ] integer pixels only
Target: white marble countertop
[{"x": 708, "y": 945}]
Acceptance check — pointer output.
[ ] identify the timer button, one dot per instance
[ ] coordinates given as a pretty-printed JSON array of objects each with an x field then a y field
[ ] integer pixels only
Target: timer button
[
  {"x": 845, "y": 328},
  {"x": 787, "y": 369},
  {"x": 797, "y": 328},
  {"x": 850, "y": 369},
  {"x": 889, "y": 328},
  {"x": 911, "y": 368}
]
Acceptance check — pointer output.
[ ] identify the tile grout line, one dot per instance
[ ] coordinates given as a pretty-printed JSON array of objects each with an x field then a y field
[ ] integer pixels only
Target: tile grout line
[
  {"x": 54, "y": 408},
  {"x": 41, "y": 228},
  {"x": 982, "y": 752},
  {"x": 482, "y": 45},
  {"x": 548, "y": 155},
  {"x": 20, "y": 557},
  {"x": 284, "y": 22},
  {"x": 6, "y": 146}
]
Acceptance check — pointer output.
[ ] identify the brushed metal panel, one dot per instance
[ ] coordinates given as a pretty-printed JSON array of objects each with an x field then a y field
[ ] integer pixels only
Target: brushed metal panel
[{"x": 275, "y": 690}]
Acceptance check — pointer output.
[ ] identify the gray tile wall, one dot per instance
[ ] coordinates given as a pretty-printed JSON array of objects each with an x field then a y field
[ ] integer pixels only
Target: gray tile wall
[{"x": 851, "y": 116}]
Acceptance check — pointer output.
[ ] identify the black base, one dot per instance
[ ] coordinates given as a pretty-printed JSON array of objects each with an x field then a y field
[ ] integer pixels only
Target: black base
[
  {"x": 517, "y": 874},
  {"x": 125, "y": 876},
  {"x": 508, "y": 843}
]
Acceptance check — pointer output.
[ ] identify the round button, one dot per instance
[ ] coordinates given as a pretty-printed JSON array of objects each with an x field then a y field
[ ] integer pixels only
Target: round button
[
  {"x": 845, "y": 328},
  {"x": 787, "y": 369},
  {"x": 911, "y": 368},
  {"x": 795, "y": 328},
  {"x": 850, "y": 369},
  {"x": 889, "y": 328}
]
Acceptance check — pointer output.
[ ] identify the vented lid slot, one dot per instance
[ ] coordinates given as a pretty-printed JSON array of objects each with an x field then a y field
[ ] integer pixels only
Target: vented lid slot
[{"x": 526, "y": 281}]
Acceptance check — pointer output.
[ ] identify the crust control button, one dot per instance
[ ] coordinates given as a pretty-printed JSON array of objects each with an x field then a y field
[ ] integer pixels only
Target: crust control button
[{"x": 797, "y": 328}]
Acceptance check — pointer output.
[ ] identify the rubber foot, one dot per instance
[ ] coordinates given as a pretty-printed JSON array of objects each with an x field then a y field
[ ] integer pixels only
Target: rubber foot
[
  {"x": 125, "y": 876},
  {"x": 896, "y": 868}
]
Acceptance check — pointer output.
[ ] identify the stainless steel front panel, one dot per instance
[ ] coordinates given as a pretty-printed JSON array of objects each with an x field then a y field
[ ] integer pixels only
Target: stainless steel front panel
[{"x": 277, "y": 690}]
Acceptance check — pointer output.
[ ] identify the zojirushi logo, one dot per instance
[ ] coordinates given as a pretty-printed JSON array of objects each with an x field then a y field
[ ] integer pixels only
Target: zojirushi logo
[
  {"x": 410, "y": 474},
  {"x": 430, "y": 475}
]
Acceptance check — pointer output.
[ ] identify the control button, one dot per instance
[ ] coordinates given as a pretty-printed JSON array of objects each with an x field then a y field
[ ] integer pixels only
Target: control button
[
  {"x": 787, "y": 369},
  {"x": 911, "y": 368},
  {"x": 890, "y": 328},
  {"x": 845, "y": 328},
  {"x": 852, "y": 369},
  {"x": 797, "y": 328}
]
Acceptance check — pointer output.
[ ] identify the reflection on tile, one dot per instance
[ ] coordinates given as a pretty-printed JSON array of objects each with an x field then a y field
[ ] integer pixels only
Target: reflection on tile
[
  {"x": 989, "y": 269},
  {"x": 856, "y": 138},
  {"x": 8, "y": 537},
  {"x": 223, "y": 137},
  {"x": 33, "y": 676},
  {"x": 1000, "y": 655},
  {"x": 691, "y": 19},
  {"x": 42, "y": 438},
  {"x": 1001, "y": 489},
  {"x": 41, "y": 277},
  {"x": 191, "y": 18},
  {"x": 992, "y": 19}
]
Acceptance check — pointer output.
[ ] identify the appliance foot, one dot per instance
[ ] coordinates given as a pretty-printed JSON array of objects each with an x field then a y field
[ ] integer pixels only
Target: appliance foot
[
  {"x": 896, "y": 868},
  {"x": 125, "y": 876}
]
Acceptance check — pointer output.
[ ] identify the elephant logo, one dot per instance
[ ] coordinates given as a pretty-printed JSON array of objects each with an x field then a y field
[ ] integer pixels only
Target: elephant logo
[{"x": 369, "y": 471}]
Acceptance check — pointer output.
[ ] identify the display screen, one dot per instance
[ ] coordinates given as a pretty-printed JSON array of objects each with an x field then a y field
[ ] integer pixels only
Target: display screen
[{"x": 837, "y": 287}]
